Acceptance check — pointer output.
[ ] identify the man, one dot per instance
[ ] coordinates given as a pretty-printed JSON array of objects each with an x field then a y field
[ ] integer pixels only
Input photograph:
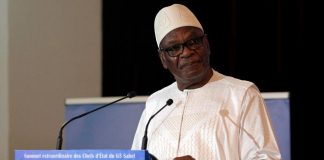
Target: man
[{"x": 213, "y": 117}]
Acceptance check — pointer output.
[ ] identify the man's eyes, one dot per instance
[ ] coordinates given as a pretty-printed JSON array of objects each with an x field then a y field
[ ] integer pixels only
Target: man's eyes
[{"x": 174, "y": 48}]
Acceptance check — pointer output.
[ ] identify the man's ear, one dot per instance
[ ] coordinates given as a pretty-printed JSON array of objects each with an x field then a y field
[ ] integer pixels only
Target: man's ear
[{"x": 162, "y": 58}]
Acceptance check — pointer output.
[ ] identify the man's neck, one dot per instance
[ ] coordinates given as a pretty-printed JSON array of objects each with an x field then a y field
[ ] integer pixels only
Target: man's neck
[{"x": 194, "y": 85}]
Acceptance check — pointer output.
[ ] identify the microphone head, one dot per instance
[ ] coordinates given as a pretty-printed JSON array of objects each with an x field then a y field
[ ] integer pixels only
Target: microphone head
[
  {"x": 224, "y": 112},
  {"x": 169, "y": 102},
  {"x": 131, "y": 94}
]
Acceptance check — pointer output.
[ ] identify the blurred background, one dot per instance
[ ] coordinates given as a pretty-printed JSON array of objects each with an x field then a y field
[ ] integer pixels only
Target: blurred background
[{"x": 53, "y": 50}]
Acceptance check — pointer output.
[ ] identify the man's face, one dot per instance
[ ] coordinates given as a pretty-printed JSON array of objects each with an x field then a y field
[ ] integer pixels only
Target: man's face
[{"x": 185, "y": 53}]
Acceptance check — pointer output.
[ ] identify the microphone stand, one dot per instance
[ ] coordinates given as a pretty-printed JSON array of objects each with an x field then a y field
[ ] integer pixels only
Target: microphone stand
[
  {"x": 60, "y": 136},
  {"x": 144, "y": 139}
]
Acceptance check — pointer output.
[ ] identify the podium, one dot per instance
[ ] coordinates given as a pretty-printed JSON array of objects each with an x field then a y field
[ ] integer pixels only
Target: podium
[
  {"x": 114, "y": 127},
  {"x": 81, "y": 154}
]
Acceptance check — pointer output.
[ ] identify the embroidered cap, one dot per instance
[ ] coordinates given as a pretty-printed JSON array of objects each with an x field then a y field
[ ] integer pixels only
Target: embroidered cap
[{"x": 172, "y": 17}]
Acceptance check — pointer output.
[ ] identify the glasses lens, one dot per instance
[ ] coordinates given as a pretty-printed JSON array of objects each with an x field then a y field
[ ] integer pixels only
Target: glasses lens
[
  {"x": 174, "y": 50},
  {"x": 194, "y": 43}
]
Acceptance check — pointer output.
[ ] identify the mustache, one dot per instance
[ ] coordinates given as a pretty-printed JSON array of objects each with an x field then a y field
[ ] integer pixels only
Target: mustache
[{"x": 188, "y": 63}]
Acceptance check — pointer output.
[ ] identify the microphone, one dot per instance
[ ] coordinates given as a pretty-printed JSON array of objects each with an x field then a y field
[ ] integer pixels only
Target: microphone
[
  {"x": 225, "y": 114},
  {"x": 144, "y": 140},
  {"x": 60, "y": 136}
]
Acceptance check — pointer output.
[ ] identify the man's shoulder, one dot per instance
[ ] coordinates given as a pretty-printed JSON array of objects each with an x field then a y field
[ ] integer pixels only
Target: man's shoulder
[
  {"x": 229, "y": 81},
  {"x": 238, "y": 82},
  {"x": 240, "y": 86},
  {"x": 164, "y": 92}
]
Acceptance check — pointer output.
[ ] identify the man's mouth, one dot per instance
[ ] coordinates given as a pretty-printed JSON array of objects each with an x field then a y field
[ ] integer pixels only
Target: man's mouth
[{"x": 189, "y": 64}]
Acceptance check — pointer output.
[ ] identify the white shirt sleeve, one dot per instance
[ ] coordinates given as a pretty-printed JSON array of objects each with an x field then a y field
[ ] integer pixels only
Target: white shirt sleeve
[{"x": 257, "y": 139}]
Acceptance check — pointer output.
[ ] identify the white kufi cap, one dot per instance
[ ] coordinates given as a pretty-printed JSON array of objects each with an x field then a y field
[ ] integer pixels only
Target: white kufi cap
[{"x": 172, "y": 17}]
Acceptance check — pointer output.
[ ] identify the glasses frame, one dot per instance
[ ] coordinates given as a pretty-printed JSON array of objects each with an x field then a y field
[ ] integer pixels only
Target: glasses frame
[{"x": 182, "y": 46}]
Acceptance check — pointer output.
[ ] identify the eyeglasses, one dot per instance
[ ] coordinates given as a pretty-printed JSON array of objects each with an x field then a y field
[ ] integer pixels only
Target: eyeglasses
[{"x": 177, "y": 49}]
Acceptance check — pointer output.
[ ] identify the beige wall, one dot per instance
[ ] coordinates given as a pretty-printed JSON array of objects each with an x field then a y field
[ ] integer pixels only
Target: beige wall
[
  {"x": 54, "y": 53},
  {"x": 4, "y": 100}
]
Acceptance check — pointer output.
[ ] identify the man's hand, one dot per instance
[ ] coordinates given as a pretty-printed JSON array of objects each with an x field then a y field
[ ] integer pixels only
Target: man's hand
[{"x": 187, "y": 157}]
